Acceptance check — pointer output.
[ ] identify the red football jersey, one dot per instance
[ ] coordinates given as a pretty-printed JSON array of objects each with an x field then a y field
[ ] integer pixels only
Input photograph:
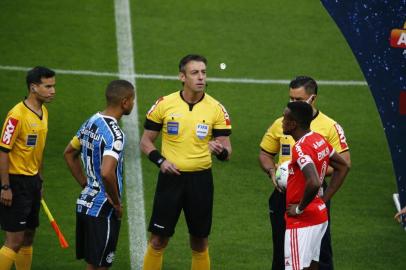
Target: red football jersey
[{"x": 311, "y": 148}]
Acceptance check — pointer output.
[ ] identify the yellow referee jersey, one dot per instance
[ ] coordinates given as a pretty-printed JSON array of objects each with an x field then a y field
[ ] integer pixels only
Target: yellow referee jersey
[
  {"x": 274, "y": 141},
  {"x": 187, "y": 129},
  {"x": 23, "y": 137}
]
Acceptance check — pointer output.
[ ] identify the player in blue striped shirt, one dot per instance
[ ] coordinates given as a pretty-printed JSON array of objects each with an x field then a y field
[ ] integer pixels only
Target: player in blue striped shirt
[{"x": 99, "y": 145}]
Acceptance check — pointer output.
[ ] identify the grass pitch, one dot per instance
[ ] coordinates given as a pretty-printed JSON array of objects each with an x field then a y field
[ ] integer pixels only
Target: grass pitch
[{"x": 260, "y": 39}]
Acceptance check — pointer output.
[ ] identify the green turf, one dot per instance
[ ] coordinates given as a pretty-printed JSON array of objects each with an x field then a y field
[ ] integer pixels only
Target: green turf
[{"x": 260, "y": 39}]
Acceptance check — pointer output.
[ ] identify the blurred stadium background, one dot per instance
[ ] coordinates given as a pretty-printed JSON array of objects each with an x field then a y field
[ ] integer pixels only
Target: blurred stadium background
[{"x": 257, "y": 39}]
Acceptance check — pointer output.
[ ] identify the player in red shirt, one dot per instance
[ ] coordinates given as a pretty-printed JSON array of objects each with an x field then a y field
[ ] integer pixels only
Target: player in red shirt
[{"x": 306, "y": 214}]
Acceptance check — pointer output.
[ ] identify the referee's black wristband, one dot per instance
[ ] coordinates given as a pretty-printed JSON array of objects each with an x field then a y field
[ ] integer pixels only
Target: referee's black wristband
[
  {"x": 223, "y": 155},
  {"x": 156, "y": 157}
]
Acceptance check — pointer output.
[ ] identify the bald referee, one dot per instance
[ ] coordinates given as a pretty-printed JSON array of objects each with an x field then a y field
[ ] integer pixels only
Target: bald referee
[
  {"x": 22, "y": 144},
  {"x": 275, "y": 143},
  {"x": 193, "y": 125}
]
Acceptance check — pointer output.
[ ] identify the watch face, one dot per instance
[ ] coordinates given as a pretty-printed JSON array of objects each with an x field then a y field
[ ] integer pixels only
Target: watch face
[{"x": 5, "y": 187}]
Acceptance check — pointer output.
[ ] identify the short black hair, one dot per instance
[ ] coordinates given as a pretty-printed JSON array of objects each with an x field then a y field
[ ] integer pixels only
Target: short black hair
[
  {"x": 302, "y": 113},
  {"x": 117, "y": 90},
  {"x": 35, "y": 75},
  {"x": 191, "y": 57},
  {"x": 307, "y": 82}
]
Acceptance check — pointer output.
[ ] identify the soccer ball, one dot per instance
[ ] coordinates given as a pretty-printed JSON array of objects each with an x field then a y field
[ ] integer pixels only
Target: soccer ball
[{"x": 282, "y": 174}]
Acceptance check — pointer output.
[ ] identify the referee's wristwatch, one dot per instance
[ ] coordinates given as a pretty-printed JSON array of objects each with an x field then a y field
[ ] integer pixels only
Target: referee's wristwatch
[
  {"x": 298, "y": 211},
  {"x": 5, "y": 187}
]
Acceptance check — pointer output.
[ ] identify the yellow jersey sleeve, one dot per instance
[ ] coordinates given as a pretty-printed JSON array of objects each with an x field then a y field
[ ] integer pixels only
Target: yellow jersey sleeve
[
  {"x": 331, "y": 131},
  {"x": 10, "y": 131},
  {"x": 222, "y": 120},
  {"x": 337, "y": 139},
  {"x": 271, "y": 140},
  {"x": 75, "y": 143},
  {"x": 155, "y": 113}
]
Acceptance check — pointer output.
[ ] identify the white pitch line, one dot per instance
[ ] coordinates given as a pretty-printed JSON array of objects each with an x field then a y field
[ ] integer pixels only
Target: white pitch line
[
  {"x": 133, "y": 173},
  {"x": 174, "y": 78}
]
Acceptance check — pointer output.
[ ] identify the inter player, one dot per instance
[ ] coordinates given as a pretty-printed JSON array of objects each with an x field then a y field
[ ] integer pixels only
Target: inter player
[
  {"x": 306, "y": 215},
  {"x": 99, "y": 143},
  {"x": 274, "y": 142},
  {"x": 22, "y": 145},
  {"x": 193, "y": 125}
]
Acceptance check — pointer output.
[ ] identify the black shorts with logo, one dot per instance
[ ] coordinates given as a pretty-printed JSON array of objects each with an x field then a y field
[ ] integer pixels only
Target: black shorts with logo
[
  {"x": 190, "y": 191},
  {"x": 24, "y": 210},
  {"x": 96, "y": 239}
]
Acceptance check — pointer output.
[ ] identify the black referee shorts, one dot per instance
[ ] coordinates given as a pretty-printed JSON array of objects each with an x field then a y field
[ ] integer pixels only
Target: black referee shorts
[
  {"x": 24, "y": 211},
  {"x": 190, "y": 191},
  {"x": 277, "y": 209},
  {"x": 96, "y": 239}
]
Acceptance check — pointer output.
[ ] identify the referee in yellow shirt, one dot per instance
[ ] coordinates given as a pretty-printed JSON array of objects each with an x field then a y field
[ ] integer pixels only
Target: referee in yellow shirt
[
  {"x": 22, "y": 145},
  {"x": 275, "y": 143},
  {"x": 193, "y": 125}
]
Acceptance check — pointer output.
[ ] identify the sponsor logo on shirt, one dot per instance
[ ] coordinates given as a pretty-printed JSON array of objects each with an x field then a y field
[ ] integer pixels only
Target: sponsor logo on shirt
[
  {"x": 175, "y": 115},
  {"x": 172, "y": 128},
  {"x": 116, "y": 130},
  {"x": 304, "y": 160},
  {"x": 316, "y": 145},
  {"x": 202, "y": 130},
  {"x": 154, "y": 106},
  {"x": 84, "y": 203},
  {"x": 341, "y": 136},
  {"x": 299, "y": 150},
  {"x": 9, "y": 130},
  {"x": 91, "y": 134},
  {"x": 226, "y": 115},
  {"x": 322, "y": 154},
  {"x": 86, "y": 144}
]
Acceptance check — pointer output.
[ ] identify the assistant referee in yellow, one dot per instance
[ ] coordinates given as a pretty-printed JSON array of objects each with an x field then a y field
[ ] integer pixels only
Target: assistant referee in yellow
[
  {"x": 22, "y": 145},
  {"x": 194, "y": 125}
]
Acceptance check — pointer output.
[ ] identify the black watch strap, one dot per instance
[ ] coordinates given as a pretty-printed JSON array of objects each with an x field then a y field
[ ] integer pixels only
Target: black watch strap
[{"x": 5, "y": 187}]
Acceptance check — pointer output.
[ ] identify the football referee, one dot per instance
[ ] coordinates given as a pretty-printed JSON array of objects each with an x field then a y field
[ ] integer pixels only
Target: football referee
[
  {"x": 22, "y": 145},
  {"x": 193, "y": 125}
]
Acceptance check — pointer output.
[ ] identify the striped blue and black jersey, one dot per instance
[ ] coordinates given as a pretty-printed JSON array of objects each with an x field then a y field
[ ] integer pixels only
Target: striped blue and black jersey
[{"x": 99, "y": 136}]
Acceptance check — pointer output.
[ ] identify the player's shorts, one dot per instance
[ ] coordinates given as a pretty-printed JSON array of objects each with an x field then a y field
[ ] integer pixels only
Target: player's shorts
[
  {"x": 96, "y": 239},
  {"x": 302, "y": 246},
  {"x": 24, "y": 210},
  {"x": 190, "y": 191}
]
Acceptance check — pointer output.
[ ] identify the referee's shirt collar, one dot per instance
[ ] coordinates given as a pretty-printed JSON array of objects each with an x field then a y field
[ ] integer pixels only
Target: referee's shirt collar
[{"x": 191, "y": 104}]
